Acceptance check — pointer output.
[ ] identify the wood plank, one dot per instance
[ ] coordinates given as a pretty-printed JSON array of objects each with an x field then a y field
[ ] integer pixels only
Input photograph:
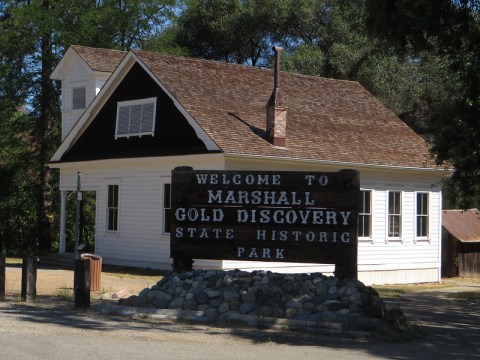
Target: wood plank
[{"x": 266, "y": 216}]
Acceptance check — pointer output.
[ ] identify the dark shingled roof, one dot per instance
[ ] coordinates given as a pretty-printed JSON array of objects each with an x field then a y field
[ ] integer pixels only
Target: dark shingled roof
[{"x": 328, "y": 120}]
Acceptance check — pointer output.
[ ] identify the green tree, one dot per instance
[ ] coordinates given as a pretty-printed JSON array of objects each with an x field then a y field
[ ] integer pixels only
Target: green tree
[
  {"x": 18, "y": 208},
  {"x": 239, "y": 31},
  {"x": 419, "y": 88},
  {"x": 450, "y": 30},
  {"x": 330, "y": 38},
  {"x": 334, "y": 40},
  {"x": 333, "y": 32},
  {"x": 33, "y": 36},
  {"x": 112, "y": 24}
]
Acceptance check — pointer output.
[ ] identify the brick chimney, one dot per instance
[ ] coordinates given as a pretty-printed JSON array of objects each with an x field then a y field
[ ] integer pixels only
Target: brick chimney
[{"x": 276, "y": 109}]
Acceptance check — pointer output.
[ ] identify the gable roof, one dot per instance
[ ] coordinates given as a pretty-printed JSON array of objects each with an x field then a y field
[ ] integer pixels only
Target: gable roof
[
  {"x": 104, "y": 60},
  {"x": 99, "y": 60},
  {"x": 464, "y": 225},
  {"x": 327, "y": 120}
]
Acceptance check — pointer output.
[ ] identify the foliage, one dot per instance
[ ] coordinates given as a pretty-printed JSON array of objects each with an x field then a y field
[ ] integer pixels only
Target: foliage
[
  {"x": 419, "y": 57},
  {"x": 232, "y": 30},
  {"x": 307, "y": 59},
  {"x": 87, "y": 221},
  {"x": 449, "y": 30},
  {"x": 111, "y": 23},
  {"x": 17, "y": 207},
  {"x": 337, "y": 43},
  {"x": 33, "y": 36},
  {"x": 420, "y": 88},
  {"x": 333, "y": 30}
]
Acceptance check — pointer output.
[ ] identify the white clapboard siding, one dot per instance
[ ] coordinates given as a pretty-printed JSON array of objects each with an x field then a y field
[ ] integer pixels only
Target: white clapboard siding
[
  {"x": 400, "y": 276},
  {"x": 140, "y": 241},
  {"x": 79, "y": 74},
  {"x": 140, "y": 219},
  {"x": 288, "y": 268}
]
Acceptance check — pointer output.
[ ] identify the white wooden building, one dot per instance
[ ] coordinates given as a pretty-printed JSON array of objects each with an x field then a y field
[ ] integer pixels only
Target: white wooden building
[{"x": 129, "y": 118}]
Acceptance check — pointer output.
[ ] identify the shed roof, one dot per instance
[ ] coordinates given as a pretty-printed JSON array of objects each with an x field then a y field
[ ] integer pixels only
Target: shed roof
[
  {"x": 327, "y": 120},
  {"x": 463, "y": 224}
]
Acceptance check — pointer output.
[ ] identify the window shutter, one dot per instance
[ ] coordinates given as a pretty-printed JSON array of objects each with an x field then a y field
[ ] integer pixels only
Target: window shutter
[
  {"x": 122, "y": 120},
  {"x": 147, "y": 117},
  {"x": 136, "y": 118},
  {"x": 79, "y": 98}
]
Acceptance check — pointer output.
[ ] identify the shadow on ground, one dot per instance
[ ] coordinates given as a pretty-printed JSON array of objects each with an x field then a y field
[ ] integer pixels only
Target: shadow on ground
[{"x": 452, "y": 328}]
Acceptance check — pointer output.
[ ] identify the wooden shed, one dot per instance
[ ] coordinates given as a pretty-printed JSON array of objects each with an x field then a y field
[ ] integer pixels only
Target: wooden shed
[{"x": 461, "y": 243}]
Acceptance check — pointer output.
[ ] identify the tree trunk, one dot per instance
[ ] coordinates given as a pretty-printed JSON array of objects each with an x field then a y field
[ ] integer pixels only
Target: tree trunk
[{"x": 45, "y": 139}]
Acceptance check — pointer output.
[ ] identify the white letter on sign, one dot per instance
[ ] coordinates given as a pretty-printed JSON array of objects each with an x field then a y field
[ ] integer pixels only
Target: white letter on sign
[{"x": 240, "y": 251}]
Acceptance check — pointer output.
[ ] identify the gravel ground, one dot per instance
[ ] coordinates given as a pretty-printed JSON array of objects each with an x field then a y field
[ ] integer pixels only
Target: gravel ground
[{"x": 51, "y": 328}]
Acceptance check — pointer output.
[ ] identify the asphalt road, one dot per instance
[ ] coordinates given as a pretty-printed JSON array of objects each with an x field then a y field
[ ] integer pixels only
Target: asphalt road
[
  {"x": 52, "y": 329},
  {"x": 56, "y": 332}
]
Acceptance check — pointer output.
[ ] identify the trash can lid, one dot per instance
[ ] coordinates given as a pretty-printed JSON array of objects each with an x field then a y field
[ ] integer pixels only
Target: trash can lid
[{"x": 91, "y": 256}]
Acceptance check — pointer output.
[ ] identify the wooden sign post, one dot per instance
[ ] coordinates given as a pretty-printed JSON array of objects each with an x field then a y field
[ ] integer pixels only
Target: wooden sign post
[
  {"x": 29, "y": 278},
  {"x": 308, "y": 217},
  {"x": 81, "y": 283},
  {"x": 2, "y": 277}
]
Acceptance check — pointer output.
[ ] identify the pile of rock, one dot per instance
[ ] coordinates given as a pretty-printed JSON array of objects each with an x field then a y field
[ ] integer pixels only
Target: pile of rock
[{"x": 313, "y": 299}]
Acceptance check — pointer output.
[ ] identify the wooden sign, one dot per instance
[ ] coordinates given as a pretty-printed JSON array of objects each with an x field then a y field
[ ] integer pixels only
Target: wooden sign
[{"x": 307, "y": 217}]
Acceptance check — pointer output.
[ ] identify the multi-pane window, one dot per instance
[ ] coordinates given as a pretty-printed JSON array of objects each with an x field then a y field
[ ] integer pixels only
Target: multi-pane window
[
  {"x": 166, "y": 208},
  {"x": 79, "y": 97},
  {"x": 112, "y": 208},
  {"x": 136, "y": 118},
  {"x": 394, "y": 214},
  {"x": 365, "y": 214},
  {"x": 422, "y": 215}
]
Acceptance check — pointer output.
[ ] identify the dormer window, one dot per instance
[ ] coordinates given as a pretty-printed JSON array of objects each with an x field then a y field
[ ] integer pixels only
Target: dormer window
[
  {"x": 136, "y": 118},
  {"x": 79, "y": 98}
]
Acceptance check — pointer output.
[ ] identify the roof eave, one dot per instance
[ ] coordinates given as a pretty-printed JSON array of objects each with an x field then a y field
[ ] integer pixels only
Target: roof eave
[
  {"x": 83, "y": 120},
  {"x": 127, "y": 62},
  {"x": 340, "y": 163}
]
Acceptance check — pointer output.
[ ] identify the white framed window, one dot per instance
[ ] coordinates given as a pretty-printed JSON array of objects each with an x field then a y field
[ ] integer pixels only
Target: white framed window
[
  {"x": 112, "y": 207},
  {"x": 365, "y": 215},
  {"x": 136, "y": 118},
  {"x": 394, "y": 209},
  {"x": 422, "y": 215},
  {"x": 167, "y": 207},
  {"x": 79, "y": 97}
]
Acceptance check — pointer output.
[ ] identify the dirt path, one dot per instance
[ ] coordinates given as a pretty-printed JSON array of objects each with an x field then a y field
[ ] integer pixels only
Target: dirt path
[{"x": 59, "y": 282}]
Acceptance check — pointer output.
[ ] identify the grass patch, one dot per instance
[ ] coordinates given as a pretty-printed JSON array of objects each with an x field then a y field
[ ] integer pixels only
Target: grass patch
[
  {"x": 467, "y": 296},
  {"x": 411, "y": 330},
  {"x": 395, "y": 291},
  {"x": 65, "y": 293},
  {"x": 133, "y": 273},
  {"x": 389, "y": 293},
  {"x": 458, "y": 281},
  {"x": 13, "y": 261}
]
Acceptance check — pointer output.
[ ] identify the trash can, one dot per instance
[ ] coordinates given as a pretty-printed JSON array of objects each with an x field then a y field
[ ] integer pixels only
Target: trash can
[{"x": 95, "y": 270}]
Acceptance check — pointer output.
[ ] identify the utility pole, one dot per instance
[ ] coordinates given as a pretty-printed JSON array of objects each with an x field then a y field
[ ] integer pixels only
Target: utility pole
[{"x": 77, "y": 215}]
